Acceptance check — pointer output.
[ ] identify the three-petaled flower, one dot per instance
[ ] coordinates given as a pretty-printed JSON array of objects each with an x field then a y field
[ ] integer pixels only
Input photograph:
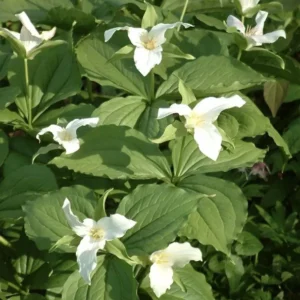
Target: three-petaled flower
[
  {"x": 67, "y": 136},
  {"x": 255, "y": 36},
  {"x": 148, "y": 51},
  {"x": 200, "y": 120},
  {"x": 29, "y": 37},
  {"x": 176, "y": 255},
  {"x": 94, "y": 236}
]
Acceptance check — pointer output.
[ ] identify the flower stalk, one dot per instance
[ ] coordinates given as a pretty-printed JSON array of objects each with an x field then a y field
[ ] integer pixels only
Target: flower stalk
[{"x": 183, "y": 13}]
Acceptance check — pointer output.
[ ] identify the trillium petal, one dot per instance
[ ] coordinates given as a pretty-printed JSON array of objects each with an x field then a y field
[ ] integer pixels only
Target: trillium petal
[
  {"x": 145, "y": 60},
  {"x": 268, "y": 38},
  {"x": 158, "y": 31},
  {"x": 75, "y": 124},
  {"x": 87, "y": 256},
  {"x": 137, "y": 36},
  {"x": 70, "y": 146},
  {"x": 29, "y": 41},
  {"x": 78, "y": 227},
  {"x": 48, "y": 35},
  {"x": 260, "y": 22},
  {"x": 54, "y": 129},
  {"x": 247, "y": 4},
  {"x": 209, "y": 140},
  {"x": 181, "y": 109},
  {"x": 13, "y": 34},
  {"x": 161, "y": 278},
  {"x": 235, "y": 22},
  {"x": 115, "y": 226},
  {"x": 27, "y": 23},
  {"x": 182, "y": 254},
  {"x": 110, "y": 32},
  {"x": 210, "y": 108}
]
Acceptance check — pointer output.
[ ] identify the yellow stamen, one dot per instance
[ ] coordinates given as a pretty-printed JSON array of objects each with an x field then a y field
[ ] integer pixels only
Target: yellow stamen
[
  {"x": 160, "y": 258},
  {"x": 96, "y": 233},
  {"x": 65, "y": 135},
  {"x": 194, "y": 120},
  {"x": 150, "y": 44}
]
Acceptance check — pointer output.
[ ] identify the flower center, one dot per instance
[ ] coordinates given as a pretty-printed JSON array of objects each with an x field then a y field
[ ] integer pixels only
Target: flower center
[
  {"x": 96, "y": 233},
  {"x": 250, "y": 31},
  {"x": 194, "y": 120},
  {"x": 150, "y": 44},
  {"x": 160, "y": 258},
  {"x": 65, "y": 135}
]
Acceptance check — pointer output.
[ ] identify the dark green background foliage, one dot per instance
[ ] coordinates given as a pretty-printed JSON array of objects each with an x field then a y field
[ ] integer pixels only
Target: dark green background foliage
[{"x": 247, "y": 226}]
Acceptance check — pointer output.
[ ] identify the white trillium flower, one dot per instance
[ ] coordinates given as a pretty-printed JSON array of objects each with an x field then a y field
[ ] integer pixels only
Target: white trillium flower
[
  {"x": 29, "y": 36},
  {"x": 94, "y": 236},
  {"x": 200, "y": 120},
  {"x": 176, "y": 255},
  {"x": 248, "y": 4},
  {"x": 255, "y": 36},
  {"x": 148, "y": 51},
  {"x": 67, "y": 136}
]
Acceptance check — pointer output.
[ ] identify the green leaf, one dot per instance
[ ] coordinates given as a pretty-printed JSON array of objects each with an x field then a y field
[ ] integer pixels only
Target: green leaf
[
  {"x": 151, "y": 206},
  {"x": 291, "y": 136},
  {"x": 116, "y": 152},
  {"x": 5, "y": 55},
  {"x": 16, "y": 45},
  {"x": 187, "y": 158},
  {"x": 25, "y": 184},
  {"x": 3, "y": 147},
  {"x": 221, "y": 215},
  {"x": 186, "y": 93},
  {"x": 248, "y": 244},
  {"x": 124, "y": 52},
  {"x": 121, "y": 111},
  {"x": 234, "y": 270},
  {"x": 100, "y": 208},
  {"x": 53, "y": 76},
  {"x": 45, "y": 150},
  {"x": 172, "y": 131},
  {"x": 211, "y": 21},
  {"x": 112, "y": 280},
  {"x": 7, "y": 96},
  {"x": 151, "y": 16},
  {"x": 195, "y": 283},
  {"x": 205, "y": 77},
  {"x": 173, "y": 51},
  {"x": 45, "y": 221},
  {"x": 121, "y": 74},
  {"x": 10, "y": 117}
]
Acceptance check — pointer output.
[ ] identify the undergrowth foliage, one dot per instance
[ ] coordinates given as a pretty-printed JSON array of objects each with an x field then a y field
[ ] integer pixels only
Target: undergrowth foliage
[{"x": 149, "y": 149}]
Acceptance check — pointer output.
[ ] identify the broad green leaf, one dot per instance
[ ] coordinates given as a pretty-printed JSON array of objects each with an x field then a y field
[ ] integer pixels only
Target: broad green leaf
[
  {"x": 116, "y": 152},
  {"x": 53, "y": 76},
  {"x": 25, "y": 184},
  {"x": 112, "y": 280},
  {"x": 3, "y": 147},
  {"x": 10, "y": 117},
  {"x": 205, "y": 77},
  {"x": 121, "y": 111},
  {"x": 45, "y": 150},
  {"x": 7, "y": 96},
  {"x": 186, "y": 93},
  {"x": 121, "y": 74},
  {"x": 211, "y": 21},
  {"x": 234, "y": 270},
  {"x": 151, "y": 16},
  {"x": 16, "y": 45},
  {"x": 291, "y": 136},
  {"x": 5, "y": 55},
  {"x": 159, "y": 212},
  {"x": 100, "y": 211},
  {"x": 248, "y": 244},
  {"x": 187, "y": 158},
  {"x": 293, "y": 93},
  {"x": 172, "y": 131},
  {"x": 173, "y": 51},
  {"x": 274, "y": 94},
  {"x": 68, "y": 112},
  {"x": 124, "y": 52},
  {"x": 221, "y": 215},
  {"x": 195, "y": 283},
  {"x": 45, "y": 221}
]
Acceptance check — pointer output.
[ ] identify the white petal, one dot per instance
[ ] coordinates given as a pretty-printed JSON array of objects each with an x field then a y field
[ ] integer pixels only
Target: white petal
[
  {"x": 78, "y": 227},
  {"x": 181, "y": 109},
  {"x": 27, "y": 23},
  {"x": 29, "y": 41},
  {"x": 115, "y": 226},
  {"x": 235, "y": 22},
  {"x": 158, "y": 31},
  {"x": 70, "y": 146},
  {"x": 161, "y": 278},
  {"x": 110, "y": 32},
  {"x": 48, "y": 35},
  {"x": 210, "y": 108},
  {"x": 13, "y": 34},
  {"x": 268, "y": 38},
  {"x": 54, "y": 129},
  {"x": 260, "y": 22},
  {"x": 145, "y": 60},
  {"x": 209, "y": 140},
  {"x": 247, "y": 4},
  {"x": 75, "y": 124},
  {"x": 182, "y": 254},
  {"x": 87, "y": 256},
  {"x": 137, "y": 36}
]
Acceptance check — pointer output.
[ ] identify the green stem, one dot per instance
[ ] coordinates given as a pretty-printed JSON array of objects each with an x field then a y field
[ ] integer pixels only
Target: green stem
[
  {"x": 239, "y": 54},
  {"x": 183, "y": 13},
  {"x": 89, "y": 87},
  {"x": 152, "y": 85},
  {"x": 28, "y": 100}
]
